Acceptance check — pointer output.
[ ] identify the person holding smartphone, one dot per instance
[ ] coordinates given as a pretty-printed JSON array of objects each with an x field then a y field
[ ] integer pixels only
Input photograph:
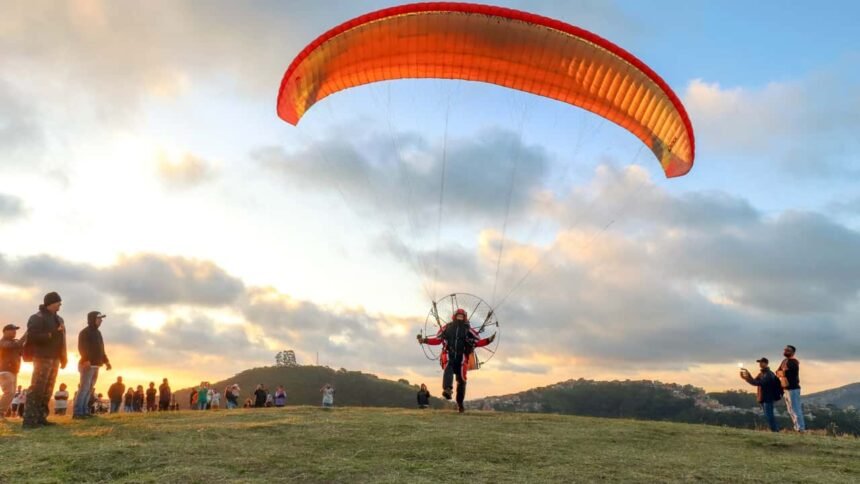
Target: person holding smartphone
[{"x": 768, "y": 390}]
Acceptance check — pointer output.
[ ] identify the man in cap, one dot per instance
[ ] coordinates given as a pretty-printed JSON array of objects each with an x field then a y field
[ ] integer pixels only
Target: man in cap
[
  {"x": 46, "y": 346},
  {"x": 91, "y": 347},
  {"x": 10, "y": 363},
  {"x": 768, "y": 392}
]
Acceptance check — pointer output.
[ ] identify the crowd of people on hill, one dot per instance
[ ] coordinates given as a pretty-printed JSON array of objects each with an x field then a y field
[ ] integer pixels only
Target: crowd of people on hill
[{"x": 44, "y": 344}]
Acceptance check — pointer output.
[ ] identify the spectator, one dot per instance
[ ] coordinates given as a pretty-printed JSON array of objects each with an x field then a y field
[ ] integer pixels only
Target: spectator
[
  {"x": 10, "y": 363},
  {"x": 203, "y": 396},
  {"x": 151, "y": 394},
  {"x": 16, "y": 401},
  {"x": 423, "y": 397},
  {"x": 164, "y": 395},
  {"x": 768, "y": 391},
  {"x": 789, "y": 377},
  {"x": 138, "y": 399},
  {"x": 192, "y": 399},
  {"x": 91, "y": 347},
  {"x": 260, "y": 396},
  {"x": 280, "y": 396},
  {"x": 129, "y": 400},
  {"x": 328, "y": 395},
  {"x": 215, "y": 404},
  {"x": 115, "y": 393},
  {"x": 231, "y": 393},
  {"x": 61, "y": 400},
  {"x": 46, "y": 346}
]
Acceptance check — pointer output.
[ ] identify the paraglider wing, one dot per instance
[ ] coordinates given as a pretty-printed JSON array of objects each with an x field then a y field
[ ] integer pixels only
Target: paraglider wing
[{"x": 500, "y": 46}]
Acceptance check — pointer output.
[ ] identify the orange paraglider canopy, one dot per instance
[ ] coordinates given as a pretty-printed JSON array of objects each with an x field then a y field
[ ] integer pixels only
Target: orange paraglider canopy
[{"x": 500, "y": 46}]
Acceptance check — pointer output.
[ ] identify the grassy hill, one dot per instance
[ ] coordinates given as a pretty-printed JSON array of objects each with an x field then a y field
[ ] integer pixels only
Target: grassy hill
[
  {"x": 305, "y": 444},
  {"x": 843, "y": 397},
  {"x": 303, "y": 384},
  {"x": 652, "y": 400}
]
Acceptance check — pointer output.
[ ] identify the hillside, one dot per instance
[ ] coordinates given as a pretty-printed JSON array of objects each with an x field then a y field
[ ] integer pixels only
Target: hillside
[
  {"x": 651, "y": 400},
  {"x": 304, "y": 444},
  {"x": 303, "y": 383},
  {"x": 842, "y": 397}
]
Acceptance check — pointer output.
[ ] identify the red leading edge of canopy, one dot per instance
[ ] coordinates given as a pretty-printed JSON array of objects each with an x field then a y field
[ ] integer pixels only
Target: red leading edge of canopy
[{"x": 503, "y": 12}]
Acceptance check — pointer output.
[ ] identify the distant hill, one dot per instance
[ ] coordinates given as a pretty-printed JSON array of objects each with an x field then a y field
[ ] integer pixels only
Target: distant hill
[
  {"x": 652, "y": 400},
  {"x": 303, "y": 383},
  {"x": 843, "y": 397}
]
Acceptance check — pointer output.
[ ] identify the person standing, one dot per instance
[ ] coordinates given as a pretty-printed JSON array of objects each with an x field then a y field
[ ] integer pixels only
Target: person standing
[
  {"x": 789, "y": 377},
  {"x": 164, "y": 395},
  {"x": 768, "y": 391},
  {"x": 423, "y": 397},
  {"x": 138, "y": 399},
  {"x": 203, "y": 396},
  {"x": 115, "y": 393},
  {"x": 46, "y": 345},
  {"x": 10, "y": 363},
  {"x": 280, "y": 396},
  {"x": 128, "y": 400},
  {"x": 16, "y": 401},
  {"x": 231, "y": 393},
  {"x": 260, "y": 396},
  {"x": 61, "y": 400},
  {"x": 91, "y": 347},
  {"x": 215, "y": 402},
  {"x": 151, "y": 396},
  {"x": 328, "y": 395}
]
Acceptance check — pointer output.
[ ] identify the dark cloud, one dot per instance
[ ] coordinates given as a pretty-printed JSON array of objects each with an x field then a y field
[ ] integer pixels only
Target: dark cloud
[
  {"x": 479, "y": 172},
  {"x": 143, "y": 279},
  {"x": 351, "y": 337}
]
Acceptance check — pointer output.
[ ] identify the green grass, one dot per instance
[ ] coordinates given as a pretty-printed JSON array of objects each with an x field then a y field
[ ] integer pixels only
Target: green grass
[{"x": 304, "y": 444}]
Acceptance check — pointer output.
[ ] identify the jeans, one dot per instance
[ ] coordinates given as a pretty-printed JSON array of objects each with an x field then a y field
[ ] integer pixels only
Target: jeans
[
  {"x": 89, "y": 376},
  {"x": 8, "y": 381},
  {"x": 201, "y": 405},
  {"x": 769, "y": 416},
  {"x": 231, "y": 405},
  {"x": 795, "y": 409},
  {"x": 114, "y": 406}
]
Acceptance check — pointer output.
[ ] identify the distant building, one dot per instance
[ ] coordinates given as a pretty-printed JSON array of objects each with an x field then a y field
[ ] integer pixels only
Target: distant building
[{"x": 286, "y": 358}]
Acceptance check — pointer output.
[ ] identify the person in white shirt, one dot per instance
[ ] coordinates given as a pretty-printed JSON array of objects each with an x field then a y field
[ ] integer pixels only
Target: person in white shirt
[
  {"x": 328, "y": 396},
  {"x": 61, "y": 400},
  {"x": 215, "y": 398}
]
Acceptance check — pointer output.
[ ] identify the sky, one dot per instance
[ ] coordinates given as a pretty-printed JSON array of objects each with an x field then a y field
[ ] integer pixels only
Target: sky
[{"x": 144, "y": 173}]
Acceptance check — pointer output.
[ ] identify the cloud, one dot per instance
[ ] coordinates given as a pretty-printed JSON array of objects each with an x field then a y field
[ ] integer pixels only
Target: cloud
[
  {"x": 681, "y": 279},
  {"x": 807, "y": 126},
  {"x": 19, "y": 128},
  {"x": 186, "y": 172},
  {"x": 142, "y": 279},
  {"x": 10, "y": 207},
  {"x": 479, "y": 172}
]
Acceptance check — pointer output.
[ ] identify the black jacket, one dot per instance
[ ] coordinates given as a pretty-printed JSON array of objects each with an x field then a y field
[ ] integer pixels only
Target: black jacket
[
  {"x": 10, "y": 355},
  {"x": 163, "y": 393},
  {"x": 423, "y": 397},
  {"x": 91, "y": 346},
  {"x": 260, "y": 398},
  {"x": 116, "y": 391},
  {"x": 459, "y": 338},
  {"x": 768, "y": 387},
  {"x": 790, "y": 369},
  {"x": 44, "y": 340}
]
